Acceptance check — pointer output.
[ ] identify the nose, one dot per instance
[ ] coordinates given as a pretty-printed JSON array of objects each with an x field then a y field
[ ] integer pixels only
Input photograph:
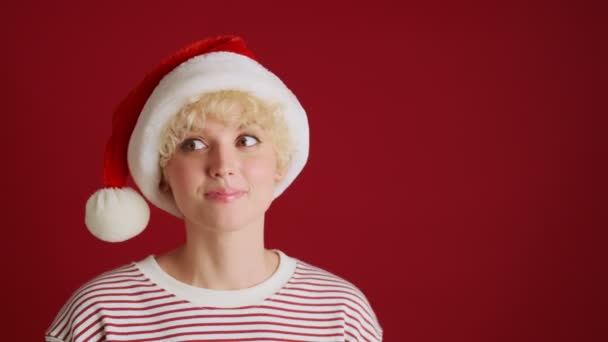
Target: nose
[{"x": 222, "y": 161}]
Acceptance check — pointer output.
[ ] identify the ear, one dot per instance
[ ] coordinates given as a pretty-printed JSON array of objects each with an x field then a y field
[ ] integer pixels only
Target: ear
[
  {"x": 280, "y": 175},
  {"x": 164, "y": 185}
]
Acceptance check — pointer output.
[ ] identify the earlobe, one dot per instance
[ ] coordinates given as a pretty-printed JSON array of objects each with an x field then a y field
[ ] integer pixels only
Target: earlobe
[
  {"x": 279, "y": 176},
  {"x": 164, "y": 186},
  {"x": 282, "y": 172}
]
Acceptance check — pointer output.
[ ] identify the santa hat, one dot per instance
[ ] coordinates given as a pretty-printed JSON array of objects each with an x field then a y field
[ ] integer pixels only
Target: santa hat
[{"x": 118, "y": 213}]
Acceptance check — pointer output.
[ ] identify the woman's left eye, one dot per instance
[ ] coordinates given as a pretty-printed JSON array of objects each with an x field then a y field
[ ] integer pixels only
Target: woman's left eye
[{"x": 248, "y": 140}]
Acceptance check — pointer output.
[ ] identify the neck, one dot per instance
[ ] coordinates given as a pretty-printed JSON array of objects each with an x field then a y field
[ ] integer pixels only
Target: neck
[{"x": 220, "y": 259}]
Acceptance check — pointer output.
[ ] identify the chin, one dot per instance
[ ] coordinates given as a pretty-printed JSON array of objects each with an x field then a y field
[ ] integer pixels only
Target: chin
[
  {"x": 226, "y": 217},
  {"x": 227, "y": 221}
]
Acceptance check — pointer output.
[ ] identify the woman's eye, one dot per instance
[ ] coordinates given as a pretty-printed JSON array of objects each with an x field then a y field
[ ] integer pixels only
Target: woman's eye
[
  {"x": 248, "y": 140},
  {"x": 193, "y": 144}
]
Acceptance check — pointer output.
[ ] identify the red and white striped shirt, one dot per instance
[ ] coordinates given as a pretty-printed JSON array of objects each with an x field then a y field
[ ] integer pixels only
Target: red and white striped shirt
[{"x": 141, "y": 302}]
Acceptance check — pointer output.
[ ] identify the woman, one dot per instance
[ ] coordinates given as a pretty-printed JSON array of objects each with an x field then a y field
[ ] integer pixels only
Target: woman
[{"x": 212, "y": 137}]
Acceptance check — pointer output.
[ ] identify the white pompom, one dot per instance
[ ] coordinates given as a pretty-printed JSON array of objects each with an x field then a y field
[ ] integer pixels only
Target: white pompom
[{"x": 116, "y": 214}]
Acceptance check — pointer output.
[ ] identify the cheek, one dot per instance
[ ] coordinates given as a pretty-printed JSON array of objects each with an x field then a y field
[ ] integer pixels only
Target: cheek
[
  {"x": 261, "y": 170},
  {"x": 181, "y": 174}
]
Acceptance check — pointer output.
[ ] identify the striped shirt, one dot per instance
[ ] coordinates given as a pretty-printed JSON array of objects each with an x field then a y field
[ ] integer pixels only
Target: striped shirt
[{"x": 141, "y": 302}]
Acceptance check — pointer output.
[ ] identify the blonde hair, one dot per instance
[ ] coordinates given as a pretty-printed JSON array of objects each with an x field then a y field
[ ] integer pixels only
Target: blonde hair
[{"x": 228, "y": 107}]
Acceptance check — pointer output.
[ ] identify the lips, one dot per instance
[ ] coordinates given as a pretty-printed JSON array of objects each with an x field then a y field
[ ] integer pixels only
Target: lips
[{"x": 225, "y": 195}]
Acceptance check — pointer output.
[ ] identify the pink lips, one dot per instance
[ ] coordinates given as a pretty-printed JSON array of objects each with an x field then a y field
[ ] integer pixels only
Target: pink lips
[{"x": 225, "y": 195}]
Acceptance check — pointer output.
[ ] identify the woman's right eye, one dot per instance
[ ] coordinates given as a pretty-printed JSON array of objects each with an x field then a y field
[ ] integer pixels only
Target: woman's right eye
[{"x": 193, "y": 144}]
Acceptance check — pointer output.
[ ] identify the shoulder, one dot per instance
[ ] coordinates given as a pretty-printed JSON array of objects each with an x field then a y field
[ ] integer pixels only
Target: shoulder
[
  {"x": 78, "y": 315},
  {"x": 358, "y": 312}
]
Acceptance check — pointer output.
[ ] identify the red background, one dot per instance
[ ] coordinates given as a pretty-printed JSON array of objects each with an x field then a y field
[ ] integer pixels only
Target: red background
[{"x": 457, "y": 165}]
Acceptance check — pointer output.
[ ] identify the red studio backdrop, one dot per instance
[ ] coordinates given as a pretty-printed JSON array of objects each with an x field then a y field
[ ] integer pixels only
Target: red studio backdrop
[{"x": 456, "y": 172}]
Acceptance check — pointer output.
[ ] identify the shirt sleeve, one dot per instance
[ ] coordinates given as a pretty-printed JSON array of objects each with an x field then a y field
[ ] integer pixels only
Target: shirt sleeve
[
  {"x": 60, "y": 329},
  {"x": 362, "y": 324}
]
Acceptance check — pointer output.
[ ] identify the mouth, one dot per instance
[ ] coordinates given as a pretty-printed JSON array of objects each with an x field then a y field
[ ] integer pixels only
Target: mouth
[{"x": 225, "y": 196}]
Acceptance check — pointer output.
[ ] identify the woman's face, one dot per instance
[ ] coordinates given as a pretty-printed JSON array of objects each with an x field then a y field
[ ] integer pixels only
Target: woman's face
[{"x": 223, "y": 177}]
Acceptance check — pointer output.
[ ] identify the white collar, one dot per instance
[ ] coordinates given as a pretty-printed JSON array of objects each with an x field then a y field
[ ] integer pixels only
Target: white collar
[{"x": 220, "y": 298}]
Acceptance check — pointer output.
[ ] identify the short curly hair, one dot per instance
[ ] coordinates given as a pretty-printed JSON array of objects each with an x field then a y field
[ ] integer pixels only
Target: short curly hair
[{"x": 220, "y": 106}]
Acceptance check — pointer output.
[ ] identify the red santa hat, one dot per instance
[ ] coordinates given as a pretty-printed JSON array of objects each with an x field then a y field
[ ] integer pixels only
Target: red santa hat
[{"x": 116, "y": 212}]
